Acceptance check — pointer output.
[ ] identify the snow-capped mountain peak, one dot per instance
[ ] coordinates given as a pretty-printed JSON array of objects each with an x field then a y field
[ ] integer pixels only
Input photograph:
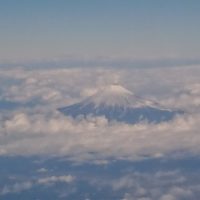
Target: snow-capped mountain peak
[
  {"x": 117, "y": 103},
  {"x": 117, "y": 90},
  {"x": 111, "y": 95},
  {"x": 116, "y": 95}
]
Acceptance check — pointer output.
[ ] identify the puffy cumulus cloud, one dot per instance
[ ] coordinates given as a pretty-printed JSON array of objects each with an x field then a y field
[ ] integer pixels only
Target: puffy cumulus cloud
[
  {"x": 150, "y": 186},
  {"x": 178, "y": 193},
  {"x": 95, "y": 138},
  {"x": 128, "y": 196},
  {"x": 188, "y": 98},
  {"x": 16, "y": 188},
  {"x": 55, "y": 87},
  {"x": 161, "y": 185},
  {"x": 28, "y": 185},
  {"x": 56, "y": 179},
  {"x": 42, "y": 170},
  {"x": 128, "y": 185},
  {"x": 38, "y": 129},
  {"x": 52, "y": 85}
]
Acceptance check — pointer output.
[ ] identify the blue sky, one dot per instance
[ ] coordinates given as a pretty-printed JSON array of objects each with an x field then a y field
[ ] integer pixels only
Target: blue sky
[{"x": 138, "y": 29}]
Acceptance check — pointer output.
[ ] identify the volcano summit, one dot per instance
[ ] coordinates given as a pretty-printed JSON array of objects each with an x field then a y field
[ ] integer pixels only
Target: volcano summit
[{"x": 117, "y": 103}]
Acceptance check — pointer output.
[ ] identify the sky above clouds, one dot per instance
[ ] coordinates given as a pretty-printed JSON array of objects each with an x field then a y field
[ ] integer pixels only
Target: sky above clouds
[{"x": 34, "y": 30}]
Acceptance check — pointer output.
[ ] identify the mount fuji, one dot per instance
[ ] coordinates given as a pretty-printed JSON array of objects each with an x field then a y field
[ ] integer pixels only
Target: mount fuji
[{"x": 117, "y": 103}]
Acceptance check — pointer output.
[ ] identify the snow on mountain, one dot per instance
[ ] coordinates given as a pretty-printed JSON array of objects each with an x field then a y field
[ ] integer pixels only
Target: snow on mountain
[
  {"x": 117, "y": 103},
  {"x": 110, "y": 96}
]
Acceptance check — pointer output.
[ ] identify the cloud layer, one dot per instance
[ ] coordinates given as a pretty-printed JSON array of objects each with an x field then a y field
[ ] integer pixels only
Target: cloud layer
[{"x": 34, "y": 127}]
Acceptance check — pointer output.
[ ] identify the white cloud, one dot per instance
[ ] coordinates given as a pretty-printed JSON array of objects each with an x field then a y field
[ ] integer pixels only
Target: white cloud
[
  {"x": 42, "y": 170},
  {"x": 55, "y": 134},
  {"x": 178, "y": 193},
  {"x": 16, "y": 188},
  {"x": 55, "y": 179},
  {"x": 41, "y": 130},
  {"x": 162, "y": 185},
  {"x": 168, "y": 197},
  {"x": 28, "y": 185}
]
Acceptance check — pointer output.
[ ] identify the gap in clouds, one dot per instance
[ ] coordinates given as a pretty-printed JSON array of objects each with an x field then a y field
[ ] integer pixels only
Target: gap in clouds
[{"x": 156, "y": 179}]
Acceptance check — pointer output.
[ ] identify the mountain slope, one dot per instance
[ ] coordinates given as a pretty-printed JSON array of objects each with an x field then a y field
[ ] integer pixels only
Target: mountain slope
[{"x": 117, "y": 103}]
